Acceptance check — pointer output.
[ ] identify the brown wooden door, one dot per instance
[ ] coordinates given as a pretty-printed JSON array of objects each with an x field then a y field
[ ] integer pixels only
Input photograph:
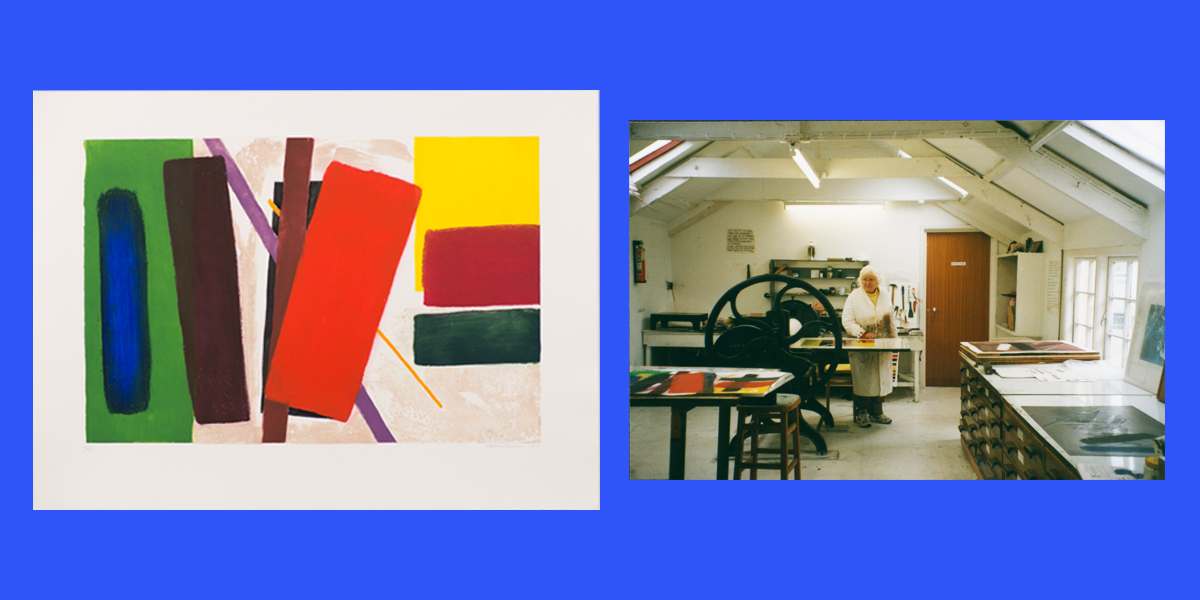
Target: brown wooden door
[{"x": 957, "y": 273}]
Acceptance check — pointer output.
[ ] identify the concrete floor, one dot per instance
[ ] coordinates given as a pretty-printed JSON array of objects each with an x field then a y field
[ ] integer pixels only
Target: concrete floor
[{"x": 921, "y": 443}]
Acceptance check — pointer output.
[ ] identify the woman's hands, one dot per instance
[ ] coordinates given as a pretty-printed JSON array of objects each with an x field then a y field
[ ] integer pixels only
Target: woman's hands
[{"x": 867, "y": 335}]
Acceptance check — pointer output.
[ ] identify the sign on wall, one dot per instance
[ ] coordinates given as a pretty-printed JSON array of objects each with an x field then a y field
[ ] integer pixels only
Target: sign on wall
[
  {"x": 1052, "y": 282},
  {"x": 739, "y": 240}
]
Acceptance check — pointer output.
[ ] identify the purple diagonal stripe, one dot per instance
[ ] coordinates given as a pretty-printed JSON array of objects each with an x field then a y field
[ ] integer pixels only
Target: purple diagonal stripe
[
  {"x": 372, "y": 417},
  {"x": 371, "y": 414},
  {"x": 242, "y": 190}
]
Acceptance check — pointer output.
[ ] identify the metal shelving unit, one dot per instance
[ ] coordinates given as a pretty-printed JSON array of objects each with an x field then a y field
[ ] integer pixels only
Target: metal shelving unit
[{"x": 802, "y": 269}]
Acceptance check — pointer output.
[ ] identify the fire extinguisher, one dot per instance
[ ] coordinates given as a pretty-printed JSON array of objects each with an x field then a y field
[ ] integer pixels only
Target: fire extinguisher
[{"x": 639, "y": 262}]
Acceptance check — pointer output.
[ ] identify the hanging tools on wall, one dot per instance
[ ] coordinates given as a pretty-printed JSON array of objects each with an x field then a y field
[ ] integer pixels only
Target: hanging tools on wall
[
  {"x": 912, "y": 309},
  {"x": 895, "y": 309}
]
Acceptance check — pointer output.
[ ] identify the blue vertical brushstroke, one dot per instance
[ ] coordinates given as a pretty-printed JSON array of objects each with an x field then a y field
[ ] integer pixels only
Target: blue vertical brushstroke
[{"x": 123, "y": 303}]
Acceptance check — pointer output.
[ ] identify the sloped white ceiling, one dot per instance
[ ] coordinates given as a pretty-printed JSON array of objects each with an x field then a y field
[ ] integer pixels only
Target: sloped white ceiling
[{"x": 1114, "y": 187}]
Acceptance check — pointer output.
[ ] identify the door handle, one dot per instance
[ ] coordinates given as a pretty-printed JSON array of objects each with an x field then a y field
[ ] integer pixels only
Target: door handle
[{"x": 933, "y": 309}]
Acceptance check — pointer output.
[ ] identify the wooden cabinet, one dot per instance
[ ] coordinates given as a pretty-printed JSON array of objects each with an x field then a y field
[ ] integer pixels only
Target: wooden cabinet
[
  {"x": 1025, "y": 274},
  {"x": 997, "y": 441}
]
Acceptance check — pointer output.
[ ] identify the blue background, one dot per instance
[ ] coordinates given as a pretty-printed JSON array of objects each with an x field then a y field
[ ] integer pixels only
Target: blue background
[{"x": 650, "y": 539}]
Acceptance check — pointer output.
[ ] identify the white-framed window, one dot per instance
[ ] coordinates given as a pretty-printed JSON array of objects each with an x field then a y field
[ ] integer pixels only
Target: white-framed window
[
  {"x": 1083, "y": 303},
  {"x": 1120, "y": 307},
  {"x": 1102, "y": 287}
]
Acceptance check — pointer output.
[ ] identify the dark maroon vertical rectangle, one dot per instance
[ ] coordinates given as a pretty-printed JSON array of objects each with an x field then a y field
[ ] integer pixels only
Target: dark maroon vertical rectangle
[
  {"x": 197, "y": 190},
  {"x": 497, "y": 265},
  {"x": 179, "y": 189}
]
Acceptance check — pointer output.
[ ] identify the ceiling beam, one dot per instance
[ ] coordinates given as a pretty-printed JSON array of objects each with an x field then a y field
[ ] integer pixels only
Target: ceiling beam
[
  {"x": 676, "y": 202},
  {"x": 982, "y": 189},
  {"x": 799, "y": 131},
  {"x": 1048, "y": 131},
  {"x": 832, "y": 190},
  {"x": 697, "y": 214},
  {"x": 837, "y": 168},
  {"x": 968, "y": 215},
  {"x": 1012, "y": 207},
  {"x": 739, "y": 168},
  {"x": 1072, "y": 181},
  {"x": 653, "y": 192},
  {"x": 998, "y": 171},
  {"x": 871, "y": 168}
]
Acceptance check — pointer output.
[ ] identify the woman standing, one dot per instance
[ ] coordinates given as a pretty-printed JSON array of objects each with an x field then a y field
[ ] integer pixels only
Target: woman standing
[{"x": 868, "y": 315}]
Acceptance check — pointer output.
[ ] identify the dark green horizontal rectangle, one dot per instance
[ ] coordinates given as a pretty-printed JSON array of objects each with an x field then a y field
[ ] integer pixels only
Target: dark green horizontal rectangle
[{"x": 483, "y": 337}]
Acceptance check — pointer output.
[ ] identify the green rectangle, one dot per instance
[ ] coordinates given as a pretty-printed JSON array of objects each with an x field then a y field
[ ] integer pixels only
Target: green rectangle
[{"x": 137, "y": 166}]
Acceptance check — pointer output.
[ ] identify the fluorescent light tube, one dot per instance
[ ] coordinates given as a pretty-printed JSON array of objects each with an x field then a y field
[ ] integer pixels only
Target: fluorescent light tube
[
  {"x": 961, "y": 192},
  {"x": 808, "y": 172}
]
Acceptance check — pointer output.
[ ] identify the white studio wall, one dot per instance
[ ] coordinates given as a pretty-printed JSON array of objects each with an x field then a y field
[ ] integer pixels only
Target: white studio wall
[
  {"x": 652, "y": 296},
  {"x": 891, "y": 237},
  {"x": 1152, "y": 265}
]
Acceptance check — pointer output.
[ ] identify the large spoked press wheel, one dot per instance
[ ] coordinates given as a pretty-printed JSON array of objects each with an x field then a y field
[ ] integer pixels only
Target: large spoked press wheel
[{"x": 765, "y": 342}]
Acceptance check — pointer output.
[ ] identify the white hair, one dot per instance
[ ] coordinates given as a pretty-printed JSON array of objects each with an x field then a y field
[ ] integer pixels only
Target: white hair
[{"x": 869, "y": 270}]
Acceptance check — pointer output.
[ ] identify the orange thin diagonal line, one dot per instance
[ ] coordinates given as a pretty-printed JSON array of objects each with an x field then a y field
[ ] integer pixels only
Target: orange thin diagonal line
[
  {"x": 410, "y": 369},
  {"x": 389, "y": 342}
]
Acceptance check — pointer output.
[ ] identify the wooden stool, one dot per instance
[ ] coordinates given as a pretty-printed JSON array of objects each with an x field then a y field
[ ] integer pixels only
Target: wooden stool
[{"x": 782, "y": 418}]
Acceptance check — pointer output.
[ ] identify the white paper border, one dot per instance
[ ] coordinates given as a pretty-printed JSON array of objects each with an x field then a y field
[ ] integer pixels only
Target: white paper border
[{"x": 562, "y": 471}]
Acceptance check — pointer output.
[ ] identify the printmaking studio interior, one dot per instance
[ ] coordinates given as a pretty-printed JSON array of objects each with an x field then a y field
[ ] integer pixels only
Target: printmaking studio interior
[{"x": 897, "y": 300}]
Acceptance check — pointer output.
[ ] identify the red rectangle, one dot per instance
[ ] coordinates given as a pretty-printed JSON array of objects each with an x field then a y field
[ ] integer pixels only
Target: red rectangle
[
  {"x": 351, "y": 252},
  {"x": 498, "y": 265},
  {"x": 687, "y": 383}
]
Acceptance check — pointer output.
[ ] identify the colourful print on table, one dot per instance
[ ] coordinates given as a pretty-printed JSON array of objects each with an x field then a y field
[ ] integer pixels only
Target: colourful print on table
[{"x": 691, "y": 383}]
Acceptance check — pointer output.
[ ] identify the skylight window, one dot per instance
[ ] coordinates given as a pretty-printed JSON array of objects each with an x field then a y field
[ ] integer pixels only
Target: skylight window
[
  {"x": 1144, "y": 139},
  {"x": 648, "y": 150}
]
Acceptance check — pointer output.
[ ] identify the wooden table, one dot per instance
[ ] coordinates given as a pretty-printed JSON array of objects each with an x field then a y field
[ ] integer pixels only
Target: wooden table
[{"x": 681, "y": 404}]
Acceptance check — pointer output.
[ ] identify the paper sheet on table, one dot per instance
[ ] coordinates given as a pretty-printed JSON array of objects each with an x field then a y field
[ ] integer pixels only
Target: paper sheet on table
[
  {"x": 1047, "y": 372},
  {"x": 1013, "y": 371},
  {"x": 1088, "y": 471}
]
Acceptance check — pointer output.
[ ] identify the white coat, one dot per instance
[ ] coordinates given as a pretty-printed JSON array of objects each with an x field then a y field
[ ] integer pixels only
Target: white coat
[{"x": 871, "y": 371}]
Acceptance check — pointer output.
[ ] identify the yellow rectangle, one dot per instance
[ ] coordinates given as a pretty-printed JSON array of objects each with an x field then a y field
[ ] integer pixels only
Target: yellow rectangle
[{"x": 473, "y": 182}]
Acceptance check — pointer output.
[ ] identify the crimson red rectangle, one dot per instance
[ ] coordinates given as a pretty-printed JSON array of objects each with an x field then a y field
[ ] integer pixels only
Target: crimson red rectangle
[
  {"x": 351, "y": 252},
  {"x": 498, "y": 265}
]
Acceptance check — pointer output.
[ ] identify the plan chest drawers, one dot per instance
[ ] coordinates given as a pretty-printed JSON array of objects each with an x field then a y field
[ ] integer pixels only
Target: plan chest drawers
[{"x": 997, "y": 440}]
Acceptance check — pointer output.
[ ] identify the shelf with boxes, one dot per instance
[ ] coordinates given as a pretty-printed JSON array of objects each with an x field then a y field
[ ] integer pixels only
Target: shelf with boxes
[{"x": 839, "y": 274}]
